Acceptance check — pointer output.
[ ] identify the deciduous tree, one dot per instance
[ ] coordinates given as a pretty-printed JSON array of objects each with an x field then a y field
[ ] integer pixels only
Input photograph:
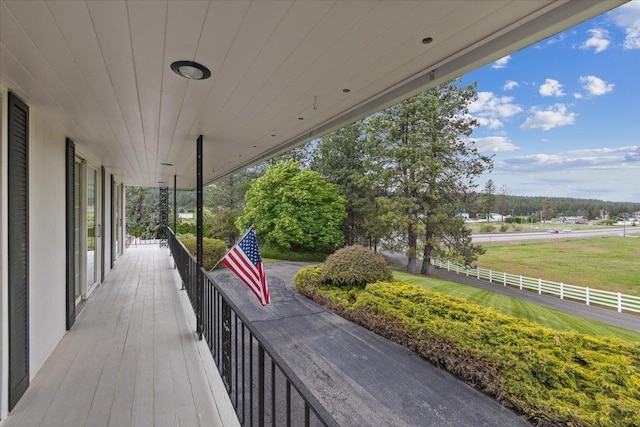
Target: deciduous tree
[{"x": 292, "y": 208}]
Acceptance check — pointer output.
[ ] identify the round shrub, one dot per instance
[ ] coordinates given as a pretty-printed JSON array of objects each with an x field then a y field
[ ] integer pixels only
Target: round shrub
[
  {"x": 354, "y": 266},
  {"x": 213, "y": 250}
]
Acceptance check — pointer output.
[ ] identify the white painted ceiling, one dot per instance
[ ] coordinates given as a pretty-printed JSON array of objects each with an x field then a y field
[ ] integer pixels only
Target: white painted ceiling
[{"x": 101, "y": 69}]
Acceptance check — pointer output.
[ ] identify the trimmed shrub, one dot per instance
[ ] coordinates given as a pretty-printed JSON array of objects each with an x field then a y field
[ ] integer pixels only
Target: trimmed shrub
[
  {"x": 213, "y": 250},
  {"x": 268, "y": 251},
  {"x": 555, "y": 378},
  {"x": 354, "y": 266},
  {"x": 487, "y": 228}
]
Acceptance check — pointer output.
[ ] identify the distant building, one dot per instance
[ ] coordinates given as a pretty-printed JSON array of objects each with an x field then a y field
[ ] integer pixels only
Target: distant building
[
  {"x": 569, "y": 220},
  {"x": 185, "y": 215}
]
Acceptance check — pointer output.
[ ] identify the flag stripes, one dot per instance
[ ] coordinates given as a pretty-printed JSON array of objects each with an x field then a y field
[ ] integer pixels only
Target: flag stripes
[{"x": 245, "y": 262}]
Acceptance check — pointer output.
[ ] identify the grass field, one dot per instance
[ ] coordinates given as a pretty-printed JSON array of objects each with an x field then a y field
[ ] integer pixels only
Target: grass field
[
  {"x": 606, "y": 263},
  {"x": 512, "y": 306}
]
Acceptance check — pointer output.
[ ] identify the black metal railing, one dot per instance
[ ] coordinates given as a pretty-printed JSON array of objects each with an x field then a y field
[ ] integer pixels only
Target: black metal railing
[{"x": 261, "y": 386}]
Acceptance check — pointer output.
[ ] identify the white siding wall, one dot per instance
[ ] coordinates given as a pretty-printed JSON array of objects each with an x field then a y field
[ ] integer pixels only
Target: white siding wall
[
  {"x": 47, "y": 234},
  {"x": 47, "y": 240}
]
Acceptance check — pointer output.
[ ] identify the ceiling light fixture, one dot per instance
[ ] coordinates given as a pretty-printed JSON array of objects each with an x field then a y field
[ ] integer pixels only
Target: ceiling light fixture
[
  {"x": 427, "y": 40},
  {"x": 300, "y": 118},
  {"x": 166, "y": 164},
  {"x": 346, "y": 90},
  {"x": 191, "y": 70}
]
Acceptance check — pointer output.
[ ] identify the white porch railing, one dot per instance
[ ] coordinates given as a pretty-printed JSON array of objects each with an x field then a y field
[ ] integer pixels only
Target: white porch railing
[{"x": 616, "y": 300}]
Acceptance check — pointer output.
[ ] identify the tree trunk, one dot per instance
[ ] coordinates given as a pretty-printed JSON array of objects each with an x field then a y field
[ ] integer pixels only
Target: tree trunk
[
  {"x": 413, "y": 248},
  {"x": 426, "y": 260}
]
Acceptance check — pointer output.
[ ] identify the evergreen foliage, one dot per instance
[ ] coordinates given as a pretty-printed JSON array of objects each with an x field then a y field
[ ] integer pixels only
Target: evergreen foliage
[
  {"x": 354, "y": 266},
  {"x": 417, "y": 154},
  {"x": 213, "y": 250},
  {"x": 553, "y": 377}
]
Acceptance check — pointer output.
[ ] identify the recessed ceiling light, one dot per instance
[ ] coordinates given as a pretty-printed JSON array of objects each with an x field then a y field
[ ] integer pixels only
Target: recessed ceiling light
[
  {"x": 427, "y": 40},
  {"x": 273, "y": 134},
  {"x": 166, "y": 164},
  {"x": 254, "y": 146},
  {"x": 346, "y": 90},
  {"x": 191, "y": 70},
  {"x": 300, "y": 118}
]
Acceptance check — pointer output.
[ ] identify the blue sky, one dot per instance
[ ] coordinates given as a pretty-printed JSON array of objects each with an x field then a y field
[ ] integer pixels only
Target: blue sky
[{"x": 562, "y": 117}]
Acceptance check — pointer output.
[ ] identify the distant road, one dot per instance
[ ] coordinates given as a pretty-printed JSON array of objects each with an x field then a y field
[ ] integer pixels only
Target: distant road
[{"x": 543, "y": 234}]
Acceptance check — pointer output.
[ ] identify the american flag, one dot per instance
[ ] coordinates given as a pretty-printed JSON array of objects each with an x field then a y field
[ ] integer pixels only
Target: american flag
[{"x": 245, "y": 261}]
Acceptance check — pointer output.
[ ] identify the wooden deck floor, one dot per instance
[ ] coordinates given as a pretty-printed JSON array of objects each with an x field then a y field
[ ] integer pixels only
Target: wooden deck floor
[{"x": 131, "y": 359}]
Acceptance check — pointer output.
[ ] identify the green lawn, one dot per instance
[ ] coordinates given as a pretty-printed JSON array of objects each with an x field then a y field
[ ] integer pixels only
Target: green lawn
[
  {"x": 508, "y": 305},
  {"x": 606, "y": 263}
]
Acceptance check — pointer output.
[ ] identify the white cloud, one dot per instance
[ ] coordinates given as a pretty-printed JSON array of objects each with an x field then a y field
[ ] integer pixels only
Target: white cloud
[
  {"x": 577, "y": 95},
  {"x": 490, "y": 123},
  {"x": 489, "y": 109},
  {"x": 554, "y": 116},
  {"x": 593, "y": 159},
  {"x": 495, "y": 106},
  {"x": 510, "y": 84},
  {"x": 494, "y": 144},
  {"x": 608, "y": 173},
  {"x": 557, "y": 39},
  {"x": 502, "y": 62},
  {"x": 599, "y": 40},
  {"x": 551, "y": 87},
  {"x": 627, "y": 17},
  {"x": 595, "y": 86}
]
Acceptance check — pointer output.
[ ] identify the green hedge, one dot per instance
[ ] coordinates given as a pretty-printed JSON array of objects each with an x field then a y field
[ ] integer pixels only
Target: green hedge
[
  {"x": 555, "y": 378},
  {"x": 267, "y": 251},
  {"x": 213, "y": 250}
]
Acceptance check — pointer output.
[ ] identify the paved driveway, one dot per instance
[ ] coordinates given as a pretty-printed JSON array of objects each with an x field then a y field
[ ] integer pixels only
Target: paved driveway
[{"x": 361, "y": 378}]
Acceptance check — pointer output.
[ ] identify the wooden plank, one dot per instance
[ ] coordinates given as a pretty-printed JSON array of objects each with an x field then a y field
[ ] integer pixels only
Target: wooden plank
[{"x": 131, "y": 359}]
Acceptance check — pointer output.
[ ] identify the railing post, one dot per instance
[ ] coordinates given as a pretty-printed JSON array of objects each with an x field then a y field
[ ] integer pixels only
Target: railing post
[
  {"x": 561, "y": 290},
  {"x": 260, "y": 385},
  {"x": 467, "y": 270},
  {"x": 619, "y": 302},
  {"x": 586, "y": 295},
  {"x": 504, "y": 278},
  {"x": 457, "y": 269},
  {"x": 199, "y": 231},
  {"x": 226, "y": 345},
  {"x": 448, "y": 265},
  {"x": 164, "y": 217},
  {"x": 539, "y": 286},
  {"x": 520, "y": 282},
  {"x": 490, "y": 276},
  {"x": 478, "y": 273}
]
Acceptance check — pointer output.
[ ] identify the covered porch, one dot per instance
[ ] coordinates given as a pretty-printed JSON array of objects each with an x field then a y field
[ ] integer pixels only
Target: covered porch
[{"x": 132, "y": 358}]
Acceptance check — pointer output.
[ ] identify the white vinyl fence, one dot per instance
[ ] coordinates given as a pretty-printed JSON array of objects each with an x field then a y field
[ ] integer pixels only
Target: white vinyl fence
[{"x": 620, "y": 302}]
